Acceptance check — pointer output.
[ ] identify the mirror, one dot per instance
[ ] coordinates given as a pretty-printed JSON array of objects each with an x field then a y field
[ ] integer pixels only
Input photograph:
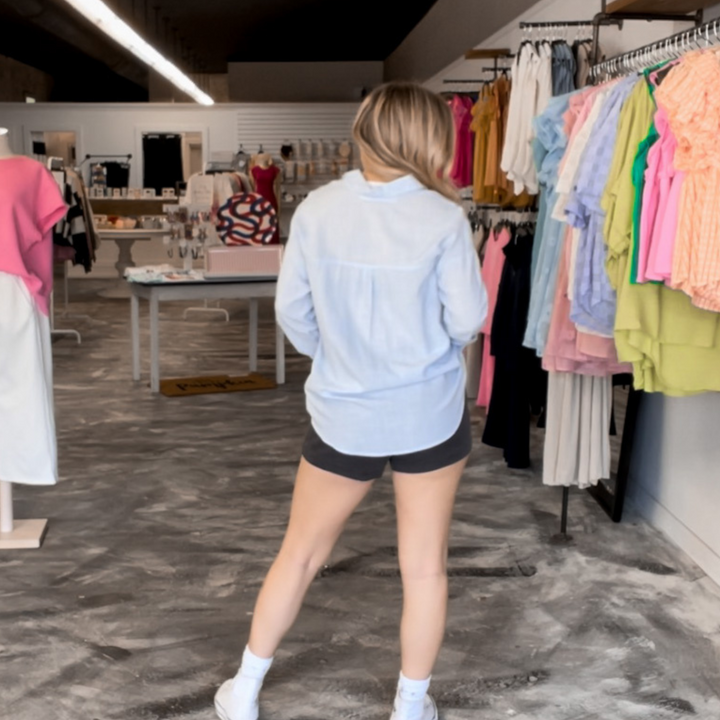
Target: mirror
[
  {"x": 58, "y": 144},
  {"x": 169, "y": 159}
]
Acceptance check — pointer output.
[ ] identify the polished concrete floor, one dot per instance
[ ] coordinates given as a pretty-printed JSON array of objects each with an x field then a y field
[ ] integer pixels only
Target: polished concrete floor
[{"x": 169, "y": 513}]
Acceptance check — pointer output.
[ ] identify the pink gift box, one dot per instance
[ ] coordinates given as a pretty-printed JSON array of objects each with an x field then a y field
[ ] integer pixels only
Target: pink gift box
[{"x": 243, "y": 261}]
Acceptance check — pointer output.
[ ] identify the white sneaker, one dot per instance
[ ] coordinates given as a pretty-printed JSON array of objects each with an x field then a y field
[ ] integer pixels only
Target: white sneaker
[
  {"x": 229, "y": 706},
  {"x": 430, "y": 711}
]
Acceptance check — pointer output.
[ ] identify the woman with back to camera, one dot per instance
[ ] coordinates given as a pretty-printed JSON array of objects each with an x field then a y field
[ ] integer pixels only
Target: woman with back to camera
[{"x": 381, "y": 287}]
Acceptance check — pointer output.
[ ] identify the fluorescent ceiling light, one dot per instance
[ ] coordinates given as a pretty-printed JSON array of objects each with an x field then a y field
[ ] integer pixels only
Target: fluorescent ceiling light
[{"x": 100, "y": 14}]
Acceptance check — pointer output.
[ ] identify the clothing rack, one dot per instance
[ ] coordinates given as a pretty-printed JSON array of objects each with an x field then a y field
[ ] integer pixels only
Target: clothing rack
[
  {"x": 105, "y": 157},
  {"x": 607, "y": 19},
  {"x": 670, "y": 48},
  {"x": 611, "y": 501}
]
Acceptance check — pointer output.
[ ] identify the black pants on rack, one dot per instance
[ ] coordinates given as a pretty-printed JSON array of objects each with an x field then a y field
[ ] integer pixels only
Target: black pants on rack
[{"x": 519, "y": 379}]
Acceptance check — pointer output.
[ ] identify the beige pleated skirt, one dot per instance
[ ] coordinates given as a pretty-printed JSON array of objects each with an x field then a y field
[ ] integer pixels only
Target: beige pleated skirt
[
  {"x": 577, "y": 434},
  {"x": 28, "y": 446}
]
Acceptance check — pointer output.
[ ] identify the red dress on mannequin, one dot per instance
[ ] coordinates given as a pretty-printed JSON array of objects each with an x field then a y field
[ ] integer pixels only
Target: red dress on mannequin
[{"x": 265, "y": 185}]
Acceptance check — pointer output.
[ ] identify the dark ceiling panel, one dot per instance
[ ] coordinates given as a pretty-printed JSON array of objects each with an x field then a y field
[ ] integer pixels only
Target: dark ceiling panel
[
  {"x": 290, "y": 30},
  {"x": 50, "y": 35},
  {"x": 82, "y": 63}
]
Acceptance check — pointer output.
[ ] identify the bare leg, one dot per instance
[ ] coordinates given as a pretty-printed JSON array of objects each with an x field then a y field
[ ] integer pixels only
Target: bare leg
[
  {"x": 322, "y": 504},
  {"x": 424, "y": 510}
]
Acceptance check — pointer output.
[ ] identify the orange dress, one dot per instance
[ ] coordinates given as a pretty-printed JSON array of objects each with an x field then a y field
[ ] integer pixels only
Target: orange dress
[{"x": 690, "y": 95}]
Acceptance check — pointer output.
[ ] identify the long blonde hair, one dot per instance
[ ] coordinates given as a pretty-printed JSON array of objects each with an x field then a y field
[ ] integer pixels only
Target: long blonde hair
[{"x": 409, "y": 129}]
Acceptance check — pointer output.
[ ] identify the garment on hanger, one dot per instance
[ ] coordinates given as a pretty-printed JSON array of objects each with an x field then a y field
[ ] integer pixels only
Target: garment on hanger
[
  {"x": 490, "y": 117},
  {"x": 462, "y": 170},
  {"x": 72, "y": 236},
  {"x": 483, "y": 112},
  {"x": 517, "y": 380},
  {"x": 550, "y": 145},
  {"x": 673, "y": 344},
  {"x": 492, "y": 270},
  {"x": 531, "y": 92},
  {"x": 593, "y": 297},
  {"x": 577, "y": 438},
  {"x": 583, "y": 62},
  {"x": 661, "y": 205},
  {"x": 690, "y": 97},
  {"x": 117, "y": 174},
  {"x": 564, "y": 68}
]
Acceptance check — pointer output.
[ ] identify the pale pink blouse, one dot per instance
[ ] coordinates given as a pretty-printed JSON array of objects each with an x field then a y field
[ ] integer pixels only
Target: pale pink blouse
[
  {"x": 569, "y": 350},
  {"x": 492, "y": 269}
]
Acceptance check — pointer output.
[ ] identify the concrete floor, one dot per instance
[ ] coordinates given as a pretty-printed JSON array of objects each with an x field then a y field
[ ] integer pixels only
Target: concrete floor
[{"x": 170, "y": 511}]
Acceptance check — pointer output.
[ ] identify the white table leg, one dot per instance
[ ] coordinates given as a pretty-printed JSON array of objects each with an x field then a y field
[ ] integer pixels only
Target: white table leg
[
  {"x": 280, "y": 355},
  {"x": 254, "y": 307},
  {"x": 135, "y": 330},
  {"x": 154, "y": 344}
]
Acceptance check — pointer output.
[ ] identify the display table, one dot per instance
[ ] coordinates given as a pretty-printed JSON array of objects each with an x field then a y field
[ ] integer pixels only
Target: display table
[
  {"x": 125, "y": 239},
  {"x": 237, "y": 289}
]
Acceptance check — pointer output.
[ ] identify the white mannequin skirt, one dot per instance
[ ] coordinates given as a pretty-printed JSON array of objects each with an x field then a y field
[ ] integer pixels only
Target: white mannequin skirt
[{"x": 28, "y": 446}]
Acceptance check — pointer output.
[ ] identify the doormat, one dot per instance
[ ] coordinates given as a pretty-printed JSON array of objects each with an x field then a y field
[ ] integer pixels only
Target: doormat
[{"x": 183, "y": 387}]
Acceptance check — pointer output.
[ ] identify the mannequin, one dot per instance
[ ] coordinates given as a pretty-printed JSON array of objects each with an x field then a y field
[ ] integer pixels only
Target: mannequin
[
  {"x": 5, "y": 149},
  {"x": 31, "y": 205},
  {"x": 267, "y": 183},
  {"x": 6, "y": 508}
]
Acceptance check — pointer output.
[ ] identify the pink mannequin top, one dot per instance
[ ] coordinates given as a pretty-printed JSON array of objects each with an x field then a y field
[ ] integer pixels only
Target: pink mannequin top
[
  {"x": 492, "y": 269},
  {"x": 31, "y": 205}
]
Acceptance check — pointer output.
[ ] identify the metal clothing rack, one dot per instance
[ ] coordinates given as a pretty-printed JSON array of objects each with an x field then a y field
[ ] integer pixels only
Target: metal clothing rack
[
  {"x": 127, "y": 157},
  {"x": 611, "y": 501},
  {"x": 607, "y": 19},
  {"x": 670, "y": 48}
]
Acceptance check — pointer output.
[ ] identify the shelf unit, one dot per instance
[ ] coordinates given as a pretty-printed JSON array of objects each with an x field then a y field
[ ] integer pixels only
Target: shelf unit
[{"x": 658, "y": 7}]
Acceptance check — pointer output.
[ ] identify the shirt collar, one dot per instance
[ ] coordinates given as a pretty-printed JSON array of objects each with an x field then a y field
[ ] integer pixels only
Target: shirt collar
[{"x": 402, "y": 186}]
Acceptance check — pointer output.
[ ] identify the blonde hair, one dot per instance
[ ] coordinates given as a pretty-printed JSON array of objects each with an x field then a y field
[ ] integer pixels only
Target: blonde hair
[{"x": 409, "y": 129}]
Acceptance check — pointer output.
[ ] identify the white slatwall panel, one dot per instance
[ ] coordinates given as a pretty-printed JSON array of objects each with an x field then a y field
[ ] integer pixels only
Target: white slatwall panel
[{"x": 270, "y": 124}]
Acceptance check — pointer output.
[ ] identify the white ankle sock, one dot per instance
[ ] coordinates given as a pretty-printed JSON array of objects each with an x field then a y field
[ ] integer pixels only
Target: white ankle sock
[
  {"x": 249, "y": 679},
  {"x": 411, "y": 698}
]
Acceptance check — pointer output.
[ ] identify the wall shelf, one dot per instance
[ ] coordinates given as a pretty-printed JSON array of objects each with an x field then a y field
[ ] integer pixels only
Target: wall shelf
[
  {"x": 658, "y": 7},
  {"x": 487, "y": 54}
]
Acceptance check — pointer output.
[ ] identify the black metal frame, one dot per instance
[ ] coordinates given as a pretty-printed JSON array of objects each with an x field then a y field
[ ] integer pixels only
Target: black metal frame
[
  {"x": 128, "y": 157},
  {"x": 605, "y": 18},
  {"x": 613, "y": 502}
]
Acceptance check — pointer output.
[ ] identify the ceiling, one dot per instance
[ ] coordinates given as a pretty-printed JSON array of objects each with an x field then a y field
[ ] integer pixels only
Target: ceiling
[{"x": 200, "y": 35}]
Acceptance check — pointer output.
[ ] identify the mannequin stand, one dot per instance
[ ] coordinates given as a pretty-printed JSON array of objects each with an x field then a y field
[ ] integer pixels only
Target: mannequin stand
[
  {"x": 562, "y": 537},
  {"x": 17, "y": 534}
]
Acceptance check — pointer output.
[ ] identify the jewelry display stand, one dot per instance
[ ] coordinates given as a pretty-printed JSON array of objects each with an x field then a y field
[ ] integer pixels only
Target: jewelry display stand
[{"x": 18, "y": 534}]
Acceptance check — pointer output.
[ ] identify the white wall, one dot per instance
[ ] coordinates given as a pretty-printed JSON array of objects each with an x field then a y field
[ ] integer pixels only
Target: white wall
[
  {"x": 302, "y": 81},
  {"x": 675, "y": 475},
  {"x": 118, "y": 128}
]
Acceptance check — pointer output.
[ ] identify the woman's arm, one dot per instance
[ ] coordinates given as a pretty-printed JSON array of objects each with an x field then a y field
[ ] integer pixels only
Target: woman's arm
[
  {"x": 462, "y": 292},
  {"x": 294, "y": 307}
]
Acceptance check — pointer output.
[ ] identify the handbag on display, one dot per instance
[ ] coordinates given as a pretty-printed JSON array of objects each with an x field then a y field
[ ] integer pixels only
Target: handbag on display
[{"x": 247, "y": 219}]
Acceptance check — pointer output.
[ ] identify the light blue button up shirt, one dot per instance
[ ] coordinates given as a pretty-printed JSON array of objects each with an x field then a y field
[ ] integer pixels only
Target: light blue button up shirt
[{"x": 381, "y": 287}]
